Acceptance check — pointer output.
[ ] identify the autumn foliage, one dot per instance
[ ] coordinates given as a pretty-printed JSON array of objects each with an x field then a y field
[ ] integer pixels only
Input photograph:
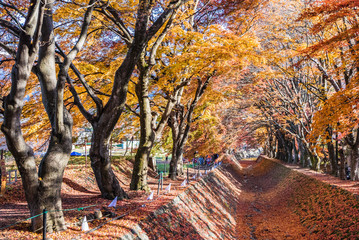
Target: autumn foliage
[{"x": 191, "y": 77}]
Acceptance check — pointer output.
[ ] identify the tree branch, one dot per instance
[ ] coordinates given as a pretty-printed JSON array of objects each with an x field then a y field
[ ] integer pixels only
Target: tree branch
[
  {"x": 14, "y": 29},
  {"x": 171, "y": 9},
  {"x": 8, "y": 49},
  {"x": 77, "y": 101},
  {"x": 131, "y": 110}
]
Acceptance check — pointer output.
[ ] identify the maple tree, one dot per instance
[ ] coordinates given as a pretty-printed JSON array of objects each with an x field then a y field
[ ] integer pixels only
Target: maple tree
[
  {"x": 150, "y": 127},
  {"x": 42, "y": 189},
  {"x": 105, "y": 115},
  {"x": 334, "y": 56},
  {"x": 177, "y": 70}
]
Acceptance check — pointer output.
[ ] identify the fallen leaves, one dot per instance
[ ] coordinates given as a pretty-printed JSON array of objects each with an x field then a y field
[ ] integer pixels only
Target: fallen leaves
[{"x": 79, "y": 191}]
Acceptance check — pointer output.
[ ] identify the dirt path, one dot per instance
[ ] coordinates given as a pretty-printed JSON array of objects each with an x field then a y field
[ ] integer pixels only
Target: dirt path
[{"x": 264, "y": 209}]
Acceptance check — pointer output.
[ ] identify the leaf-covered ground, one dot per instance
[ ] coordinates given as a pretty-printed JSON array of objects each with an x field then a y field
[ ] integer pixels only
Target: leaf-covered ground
[
  {"x": 275, "y": 203},
  {"x": 80, "y": 190}
]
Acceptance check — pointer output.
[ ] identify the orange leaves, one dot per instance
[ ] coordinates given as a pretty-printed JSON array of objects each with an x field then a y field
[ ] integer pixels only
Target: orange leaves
[
  {"x": 326, "y": 211},
  {"x": 340, "y": 112},
  {"x": 329, "y": 212}
]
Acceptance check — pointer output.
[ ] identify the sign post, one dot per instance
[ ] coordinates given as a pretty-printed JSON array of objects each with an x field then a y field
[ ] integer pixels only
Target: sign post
[
  {"x": 85, "y": 153},
  {"x": 44, "y": 224},
  {"x": 2, "y": 174}
]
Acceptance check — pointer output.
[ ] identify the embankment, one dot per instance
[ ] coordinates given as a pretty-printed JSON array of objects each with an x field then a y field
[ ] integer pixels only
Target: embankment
[{"x": 205, "y": 210}]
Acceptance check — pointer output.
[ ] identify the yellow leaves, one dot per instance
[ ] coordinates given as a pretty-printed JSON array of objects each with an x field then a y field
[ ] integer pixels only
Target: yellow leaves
[
  {"x": 339, "y": 112},
  {"x": 210, "y": 48}
]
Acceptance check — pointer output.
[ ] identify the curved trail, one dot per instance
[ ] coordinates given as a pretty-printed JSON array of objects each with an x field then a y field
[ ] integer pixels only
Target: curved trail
[{"x": 264, "y": 210}]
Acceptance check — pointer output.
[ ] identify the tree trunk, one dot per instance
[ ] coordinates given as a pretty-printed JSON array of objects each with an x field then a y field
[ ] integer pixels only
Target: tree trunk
[
  {"x": 126, "y": 149},
  {"x": 180, "y": 123},
  {"x": 352, "y": 141},
  {"x": 132, "y": 139},
  {"x": 139, "y": 175},
  {"x": 101, "y": 165},
  {"x": 150, "y": 129},
  {"x": 179, "y": 135},
  {"x": 180, "y": 171},
  {"x": 315, "y": 161},
  {"x": 289, "y": 149},
  {"x": 281, "y": 147},
  {"x": 175, "y": 127},
  {"x": 273, "y": 149},
  {"x": 106, "y": 116},
  {"x": 152, "y": 163},
  {"x": 51, "y": 172},
  {"x": 147, "y": 135},
  {"x": 25, "y": 161},
  {"x": 332, "y": 159},
  {"x": 303, "y": 154},
  {"x": 176, "y": 164},
  {"x": 354, "y": 163},
  {"x": 106, "y": 120},
  {"x": 13, "y": 103},
  {"x": 42, "y": 189},
  {"x": 342, "y": 173},
  {"x": 296, "y": 153},
  {"x": 52, "y": 166}
]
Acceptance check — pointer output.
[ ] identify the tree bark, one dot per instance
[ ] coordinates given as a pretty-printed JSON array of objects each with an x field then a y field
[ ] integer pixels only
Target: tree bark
[
  {"x": 289, "y": 149},
  {"x": 296, "y": 152},
  {"x": 304, "y": 154},
  {"x": 13, "y": 103},
  {"x": 177, "y": 128},
  {"x": 42, "y": 189},
  {"x": 352, "y": 141},
  {"x": 342, "y": 173},
  {"x": 180, "y": 123},
  {"x": 281, "y": 146},
  {"x": 101, "y": 166},
  {"x": 147, "y": 135},
  {"x": 332, "y": 159},
  {"x": 51, "y": 172},
  {"x": 53, "y": 164},
  {"x": 354, "y": 163},
  {"x": 106, "y": 120},
  {"x": 149, "y": 128},
  {"x": 176, "y": 164}
]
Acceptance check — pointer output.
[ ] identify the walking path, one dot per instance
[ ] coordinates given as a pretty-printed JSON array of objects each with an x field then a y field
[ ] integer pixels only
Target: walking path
[{"x": 351, "y": 186}]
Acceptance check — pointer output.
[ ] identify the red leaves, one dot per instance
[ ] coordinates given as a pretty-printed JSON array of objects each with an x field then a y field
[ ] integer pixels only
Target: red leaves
[
  {"x": 78, "y": 191},
  {"x": 329, "y": 212}
]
